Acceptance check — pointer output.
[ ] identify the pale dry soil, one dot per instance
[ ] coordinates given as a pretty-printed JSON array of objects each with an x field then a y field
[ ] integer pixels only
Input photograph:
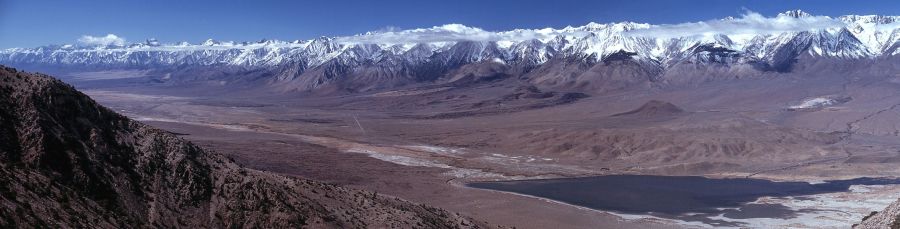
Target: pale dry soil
[{"x": 389, "y": 148}]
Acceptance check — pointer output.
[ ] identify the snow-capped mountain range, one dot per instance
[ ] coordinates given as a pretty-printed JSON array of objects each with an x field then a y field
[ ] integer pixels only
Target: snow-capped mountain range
[{"x": 752, "y": 38}]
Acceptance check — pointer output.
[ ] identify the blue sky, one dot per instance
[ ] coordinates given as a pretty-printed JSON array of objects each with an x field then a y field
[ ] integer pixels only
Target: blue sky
[{"x": 30, "y": 23}]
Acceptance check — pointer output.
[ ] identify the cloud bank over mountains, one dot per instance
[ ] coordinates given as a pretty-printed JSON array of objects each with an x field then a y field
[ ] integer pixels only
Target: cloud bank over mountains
[
  {"x": 109, "y": 39},
  {"x": 750, "y": 23},
  {"x": 453, "y": 33}
]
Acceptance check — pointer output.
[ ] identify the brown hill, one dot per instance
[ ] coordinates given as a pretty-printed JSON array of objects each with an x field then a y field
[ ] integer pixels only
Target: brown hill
[
  {"x": 67, "y": 162},
  {"x": 653, "y": 108}
]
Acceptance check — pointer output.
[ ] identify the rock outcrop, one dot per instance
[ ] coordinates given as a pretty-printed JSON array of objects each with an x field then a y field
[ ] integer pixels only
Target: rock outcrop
[
  {"x": 887, "y": 218},
  {"x": 67, "y": 162}
]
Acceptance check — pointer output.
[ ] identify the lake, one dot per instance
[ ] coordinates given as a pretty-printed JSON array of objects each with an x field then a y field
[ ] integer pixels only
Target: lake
[{"x": 675, "y": 196}]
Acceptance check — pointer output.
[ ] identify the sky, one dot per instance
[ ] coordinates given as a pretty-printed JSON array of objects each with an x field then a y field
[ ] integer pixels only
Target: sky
[{"x": 31, "y": 23}]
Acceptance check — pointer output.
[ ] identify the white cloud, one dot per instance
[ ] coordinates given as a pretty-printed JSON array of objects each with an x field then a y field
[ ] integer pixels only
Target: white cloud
[
  {"x": 749, "y": 23},
  {"x": 109, "y": 39},
  {"x": 450, "y": 32},
  {"x": 447, "y": 33}
]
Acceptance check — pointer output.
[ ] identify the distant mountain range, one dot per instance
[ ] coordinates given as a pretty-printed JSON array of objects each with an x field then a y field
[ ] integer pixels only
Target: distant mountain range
[{"x": 553, "y": 57}]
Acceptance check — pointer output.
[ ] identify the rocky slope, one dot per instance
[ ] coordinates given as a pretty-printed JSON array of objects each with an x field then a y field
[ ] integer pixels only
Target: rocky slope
[
  {"x": 887, "y": 218},
  {"x": 67, "y": 162}
]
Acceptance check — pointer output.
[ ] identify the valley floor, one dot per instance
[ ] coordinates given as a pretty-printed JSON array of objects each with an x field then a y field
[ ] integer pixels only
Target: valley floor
[{"x": 422, "y": 150}]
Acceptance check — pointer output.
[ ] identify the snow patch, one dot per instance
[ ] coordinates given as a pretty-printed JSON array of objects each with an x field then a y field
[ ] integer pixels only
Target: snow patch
[{"x": 814, "y": 103}]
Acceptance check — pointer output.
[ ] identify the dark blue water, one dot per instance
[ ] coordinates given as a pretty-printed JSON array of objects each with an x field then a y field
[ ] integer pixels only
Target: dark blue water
[{"x": 672, "y": 196}]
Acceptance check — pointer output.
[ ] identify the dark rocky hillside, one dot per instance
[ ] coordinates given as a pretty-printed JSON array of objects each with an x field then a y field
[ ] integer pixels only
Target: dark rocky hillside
[
  {"x": 887, "y": 218},
  {"x": 67, "y": 162}
]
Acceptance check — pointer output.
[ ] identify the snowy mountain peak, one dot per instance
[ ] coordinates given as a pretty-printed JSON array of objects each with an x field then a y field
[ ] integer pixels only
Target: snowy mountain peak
[
  {"x": 751, "y": 37},
  {"x": 874, "y": 19},
  {"x": 152, "y": 42},
  {"x": 795, "y": 14},
  {"x": 210, "y": 42}
]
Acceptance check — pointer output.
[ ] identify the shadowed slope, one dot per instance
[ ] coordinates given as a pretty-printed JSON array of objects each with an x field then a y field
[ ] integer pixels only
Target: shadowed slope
[{"x": 66, "y": 161}]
